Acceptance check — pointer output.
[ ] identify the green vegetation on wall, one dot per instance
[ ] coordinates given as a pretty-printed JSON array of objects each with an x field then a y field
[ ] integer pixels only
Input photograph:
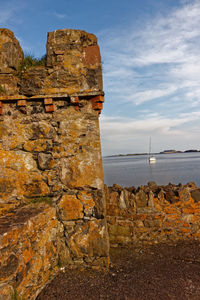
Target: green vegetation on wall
[{"x": 30, "y": 61}]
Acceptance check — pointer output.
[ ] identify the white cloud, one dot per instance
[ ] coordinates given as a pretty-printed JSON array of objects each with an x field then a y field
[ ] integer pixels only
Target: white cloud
[
  {"x": 156, "y": 65},
  {"x": 170, "y": 45},
  {"x": 122, "y": 135},
  {"x": 149, "y": 94}
]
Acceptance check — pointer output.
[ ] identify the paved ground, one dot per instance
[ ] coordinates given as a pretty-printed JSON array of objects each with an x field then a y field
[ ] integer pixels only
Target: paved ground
[{"x": 160, "y": 272}]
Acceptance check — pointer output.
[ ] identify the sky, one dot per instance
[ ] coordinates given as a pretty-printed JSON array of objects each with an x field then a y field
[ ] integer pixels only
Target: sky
[{"x": 151, "y": 64}]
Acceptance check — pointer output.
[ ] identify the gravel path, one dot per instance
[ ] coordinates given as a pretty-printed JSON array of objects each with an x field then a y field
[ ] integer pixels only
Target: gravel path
[{"x": 160, "y": 272}]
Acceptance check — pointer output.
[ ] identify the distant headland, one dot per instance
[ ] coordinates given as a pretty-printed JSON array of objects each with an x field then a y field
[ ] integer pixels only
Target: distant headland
[{"x": 171, "y": 151}]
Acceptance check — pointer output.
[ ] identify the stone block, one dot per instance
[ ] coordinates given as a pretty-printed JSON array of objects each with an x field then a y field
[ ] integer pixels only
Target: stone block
[
  {"x": 90, "y": 240},
  {"x": 27, "y": 264},
  {"x": 37, "y": 145},
  {"x": 45, "y": 161},
  {"x": 87, "y": 201},
  {"x": 195, "y": 194},
  {"x": 70, "y": 208},
  {"x": 11, "y": 54},
  {"x": 141, "y": 199}
]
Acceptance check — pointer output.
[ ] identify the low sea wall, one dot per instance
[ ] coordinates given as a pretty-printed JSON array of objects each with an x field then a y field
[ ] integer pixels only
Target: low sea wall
[{"x": 152, "y": 214}]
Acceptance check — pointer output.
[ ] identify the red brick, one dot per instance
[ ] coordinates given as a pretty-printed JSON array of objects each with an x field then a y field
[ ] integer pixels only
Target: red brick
[
  {"x": 98, "y": 98},
  {"x": 48, "y": 101},
  {"x": 49, "y": 108},
  {"x": 21, "y": 103},
  {"x": 97, "y": 105},
  {"x": 92, "y": 55},
  {"x": 0, "y": 110}
]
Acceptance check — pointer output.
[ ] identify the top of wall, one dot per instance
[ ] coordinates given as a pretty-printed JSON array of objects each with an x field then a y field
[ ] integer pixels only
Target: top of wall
[{"x": 72, "y": 66}]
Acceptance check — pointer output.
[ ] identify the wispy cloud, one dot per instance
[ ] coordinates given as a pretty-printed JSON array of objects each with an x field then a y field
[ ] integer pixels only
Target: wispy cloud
[
  {"x": 156, "y": 65},
  {"x": 164, "y": 50},
  {"x": 60, "y": 15}
]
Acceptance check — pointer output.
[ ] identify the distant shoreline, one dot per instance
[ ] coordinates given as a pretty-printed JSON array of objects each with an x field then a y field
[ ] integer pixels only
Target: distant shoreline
[{"x": 156, "y": 153}]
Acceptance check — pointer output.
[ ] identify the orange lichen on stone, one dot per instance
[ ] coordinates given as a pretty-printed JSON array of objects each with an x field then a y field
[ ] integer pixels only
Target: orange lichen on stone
[
  {"x": 52, "y": 200},
  {"x": 163, "y": 217},
  {"x": 87, "y": 202},
  {"x": 70, "y": 208},
  {"x": 190, "y": 210},
  {"x": 27, "y": 255},
  {"x": 21, "y": 103},
  {"x": 32, "y": 257}
]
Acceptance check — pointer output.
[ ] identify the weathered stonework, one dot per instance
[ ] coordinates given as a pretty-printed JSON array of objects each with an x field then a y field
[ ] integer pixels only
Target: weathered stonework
[
  {"x": 153, "y": 214},
  {"x": 52, "y": 197},
  {"x": 31, "y": 240},
  {"x": 50, "y": 152}
]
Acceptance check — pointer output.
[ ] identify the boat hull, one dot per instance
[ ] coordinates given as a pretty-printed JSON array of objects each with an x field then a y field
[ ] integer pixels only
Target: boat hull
[{"x": 152, "y": 160}]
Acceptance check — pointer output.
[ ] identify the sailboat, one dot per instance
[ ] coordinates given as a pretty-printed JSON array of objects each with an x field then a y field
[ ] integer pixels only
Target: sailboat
[{"x": 152, "y": 158}]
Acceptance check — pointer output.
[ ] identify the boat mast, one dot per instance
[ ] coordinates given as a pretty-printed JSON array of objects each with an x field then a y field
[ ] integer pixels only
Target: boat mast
[{"x": 150, "y": 146}]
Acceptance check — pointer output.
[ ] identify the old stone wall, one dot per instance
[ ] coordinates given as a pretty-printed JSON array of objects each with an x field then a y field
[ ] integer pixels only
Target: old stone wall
[
  {"x": 31, "y": 240},
  {"x": 50, "y": 153},
  {"x": 52, "y": 197},
  {"x": 153, "y": 214}
]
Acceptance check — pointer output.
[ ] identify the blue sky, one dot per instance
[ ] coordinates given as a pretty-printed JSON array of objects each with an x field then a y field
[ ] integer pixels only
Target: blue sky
[{"x": 151, "y": 64}]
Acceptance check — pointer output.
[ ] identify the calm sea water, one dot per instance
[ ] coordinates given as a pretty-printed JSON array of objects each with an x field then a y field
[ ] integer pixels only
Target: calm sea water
[{"x": 136, "y": 170}]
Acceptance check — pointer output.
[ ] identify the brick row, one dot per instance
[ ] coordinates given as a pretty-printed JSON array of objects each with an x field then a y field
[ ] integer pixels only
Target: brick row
[
  {"x": 97, "y": 103},
  {"x": 49, "y": 107}
]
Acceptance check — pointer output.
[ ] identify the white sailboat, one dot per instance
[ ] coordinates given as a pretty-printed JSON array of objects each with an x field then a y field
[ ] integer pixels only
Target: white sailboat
[{"x": 152, "y": 158}]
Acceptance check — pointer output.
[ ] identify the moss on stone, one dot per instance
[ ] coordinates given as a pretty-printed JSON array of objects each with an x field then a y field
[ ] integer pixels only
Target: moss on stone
[{"x": 40, "y": 199}]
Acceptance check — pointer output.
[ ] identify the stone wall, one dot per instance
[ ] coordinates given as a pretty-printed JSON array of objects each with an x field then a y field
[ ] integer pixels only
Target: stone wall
[
  {"x": 52, "y": 197},
  {"x": 153, "y": 214},
  {"x": 50, "y": 153},
  {"x": 31, "y": 240}
]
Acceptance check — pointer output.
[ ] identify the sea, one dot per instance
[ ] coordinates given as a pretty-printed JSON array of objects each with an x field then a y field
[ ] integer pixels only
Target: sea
[{"x": 135, "y": 170}]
